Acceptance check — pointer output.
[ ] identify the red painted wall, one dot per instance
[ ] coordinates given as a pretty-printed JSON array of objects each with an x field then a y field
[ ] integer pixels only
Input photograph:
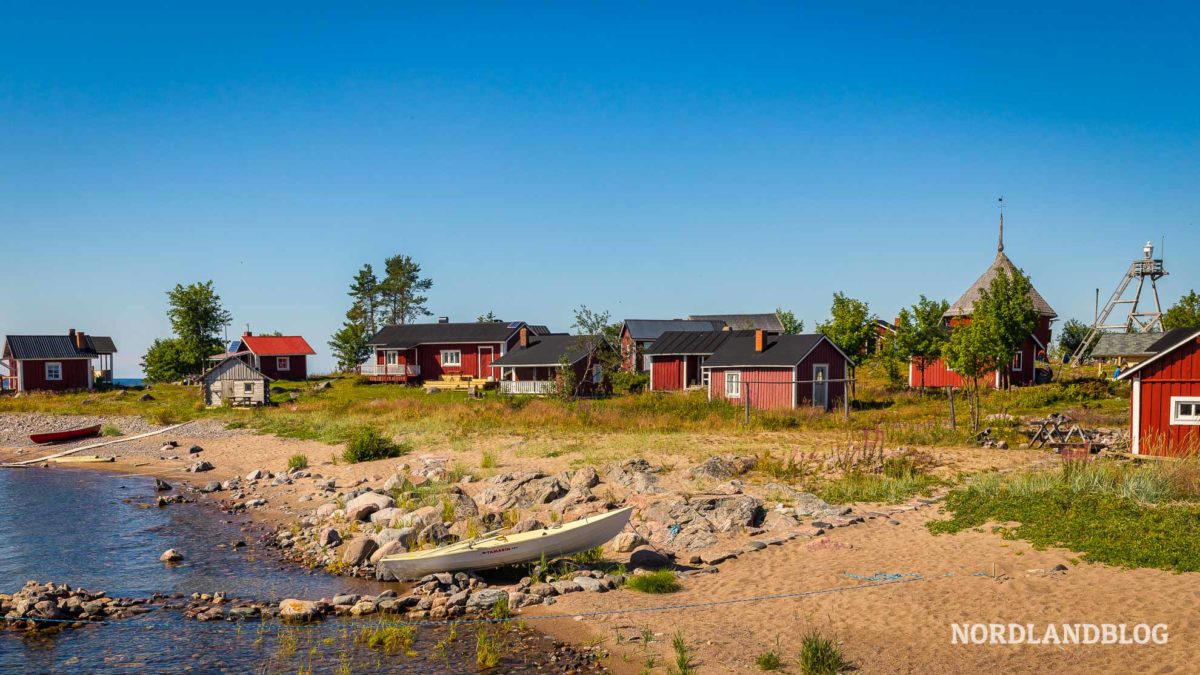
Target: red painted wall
[
  {"x": 667, "y": 373},
  {"x": 297, "y": 371},
  {"x": 429, "y": 357},
  {"x": 1175, "y": 375},
  {"x": 938, "y": 375},
  {"x": 74, "y": 375},
  {"x": 768, "y": 388},
  {"x": 823, "y": 353}
]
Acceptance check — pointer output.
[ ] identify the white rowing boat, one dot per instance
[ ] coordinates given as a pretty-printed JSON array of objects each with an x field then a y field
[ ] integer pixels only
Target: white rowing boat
[{"x": 493, "y": 551}]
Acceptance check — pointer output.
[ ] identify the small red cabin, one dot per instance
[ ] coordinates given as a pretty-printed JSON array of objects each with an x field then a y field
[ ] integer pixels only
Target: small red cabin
[
  {"x": 1164, "y": 414},
  {"x": 279, "y": 357},
  {"x": 676, "y": 359},
  {"x": 774, "y": 372},
  {"x": 56, "y": 362},
  {"x": 415, "y": 352}
]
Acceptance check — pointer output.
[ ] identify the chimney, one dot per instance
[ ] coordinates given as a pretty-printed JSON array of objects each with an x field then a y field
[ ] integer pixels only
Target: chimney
[
  {"x": 71, "y": 334},
  {"x": 443, "y": 319},
  {"x": 80, "y": 340},
  {"x": 247, "y": 333},
  {"x": 523, "y": 336},
  {"x": 760, "y": 340}
]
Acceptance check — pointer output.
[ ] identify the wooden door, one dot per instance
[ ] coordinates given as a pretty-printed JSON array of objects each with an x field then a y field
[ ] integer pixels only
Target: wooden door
[
  {"x": 486, "y": 355},
  {"x": 820, "y": 385}
]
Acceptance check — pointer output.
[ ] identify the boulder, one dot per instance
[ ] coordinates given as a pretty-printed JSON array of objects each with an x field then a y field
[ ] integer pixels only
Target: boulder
[
  {"x": 211, "y": 486},
  {"x": 195, "y": 450},
  {"x": 256, "y": 474},
  {"x": 647, "y": 557},
  {"x": 387, "y": 548},
  {"x": 434, "y": 534},
  {"x": 199, "y": 467},
  {"x": 464, "y": 506},
  {"x": 387, "y": 516},
  {"x": 591, "y": 584},
  {"x": 564, "y": 587},
  {"x": 171, "y": 555},
  {"x": 626, "y": 542},
  {"x": 324, "y": 511},
  {"x": 421, "y": 518},
  {"x": 483, "y": 600},
  {"x": 635, "y": 475},
  {"x": 298, "y": 610},
  {"x": 329, "y": 538},
  {"x": 161, "y": 485},
  {"x": 359, "y": 551},
  {"x": 405, "y": 536},
  {"x": 528, "y": 525},
  {"x": 362, "y": 506},
  {"x": 585, "y": 478}
]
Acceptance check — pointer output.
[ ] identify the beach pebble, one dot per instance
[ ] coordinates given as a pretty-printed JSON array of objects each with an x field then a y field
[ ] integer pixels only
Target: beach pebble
[
  {"x": 171, "y": 555},
  {"x": 161, "y": 485}
]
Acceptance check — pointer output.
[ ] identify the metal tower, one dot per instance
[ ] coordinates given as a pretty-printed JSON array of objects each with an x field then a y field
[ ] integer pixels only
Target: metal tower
[{"x": 1134, "y": 321}]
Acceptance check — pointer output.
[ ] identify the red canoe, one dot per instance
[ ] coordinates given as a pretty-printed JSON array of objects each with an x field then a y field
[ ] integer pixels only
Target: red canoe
[{"x": 68, "y": 435}]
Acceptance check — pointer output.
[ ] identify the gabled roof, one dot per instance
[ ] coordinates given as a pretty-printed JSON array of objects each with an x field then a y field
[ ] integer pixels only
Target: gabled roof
[
  {"x": 546, "y": 350},
  {"x": 233, "y": 369},
  {"x": 784, "y": 351},
  {"x": 766, "y": 321},
  {"x": 277, "y": 345},
  {"x": 651, "y": 329},
  {"x": 679, "y": 343},
  {"x": 56, "y": 347},
  {"x": 966, "y": 303},
  {"x": 1124, "y": 344},
  {"x": 404, "y": 336},
  {"x": 1166, "y": 343}
]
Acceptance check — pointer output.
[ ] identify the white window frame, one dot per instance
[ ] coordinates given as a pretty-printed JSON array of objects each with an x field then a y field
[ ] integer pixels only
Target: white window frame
[
  {"x": 247, "y": 388},
  {"x": 1018, "y": 362},
  {"x": 597, "y": 373},
  {"x": 391, "y": 357},
  {"x": 456, "y": 362},
  {"x": 733, "y": 384},
  {"x": 54, "y": 378},
  {"x": 283, "y": 363},
  {"x": 1190, "y": 420}
]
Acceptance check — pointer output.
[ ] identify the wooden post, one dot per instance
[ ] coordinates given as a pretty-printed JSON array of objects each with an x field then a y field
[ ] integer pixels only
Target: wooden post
[
  {"x": 950, "y": 397},
  {"x": 746, "y": 398},
  {"x": 846, "y": 400}
]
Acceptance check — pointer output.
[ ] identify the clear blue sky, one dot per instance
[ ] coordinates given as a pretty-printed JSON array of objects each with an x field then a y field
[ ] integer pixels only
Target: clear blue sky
[{"x": 652, "y": 159}]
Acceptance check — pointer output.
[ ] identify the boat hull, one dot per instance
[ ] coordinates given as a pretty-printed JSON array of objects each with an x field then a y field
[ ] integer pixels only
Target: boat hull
[
  {"x": 580, "y": 535},
  {"x": 70, "y": 434}
]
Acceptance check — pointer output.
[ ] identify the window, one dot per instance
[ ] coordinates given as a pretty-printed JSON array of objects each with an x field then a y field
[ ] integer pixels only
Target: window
[
  {"x": 597, "y": 374},
  {"x": 451, "y": 357},
  {"x": 53, "y": 370},
  {"x": 1185, "y": 410},
  {"x": 733, "y": 384},
  {"x": 247, "y": 387},
  {"x": 1018, "y": 361},
  {"x": 391, "y": 358},
  {"x": 283, "y": 363}
]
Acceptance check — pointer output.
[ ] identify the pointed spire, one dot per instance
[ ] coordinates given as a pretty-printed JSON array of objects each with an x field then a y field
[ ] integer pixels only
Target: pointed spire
[{"x": 1000, "y": 246}]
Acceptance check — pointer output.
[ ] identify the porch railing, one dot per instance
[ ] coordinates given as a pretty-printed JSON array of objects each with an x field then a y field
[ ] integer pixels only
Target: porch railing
[
  {"x": 536, "y": 387},
  {"x": 398, "y": 369}
]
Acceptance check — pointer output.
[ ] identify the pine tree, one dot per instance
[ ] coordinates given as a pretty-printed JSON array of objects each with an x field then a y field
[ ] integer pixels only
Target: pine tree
[{"x": 402, "y": 290}]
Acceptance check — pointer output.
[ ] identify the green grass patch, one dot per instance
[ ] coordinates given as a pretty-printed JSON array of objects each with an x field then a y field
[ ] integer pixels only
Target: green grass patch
[
  {"x": 368, "y": 445},
  {"x": 297, "y": 462},
  {"x": 820, "y": 655},
  {"x": 389, "y": 639},
  {"x": 860, "y": 487},
  {"x": 1129, "y": 516},
  {"x": 661, "y": 581},
  {"x": 110, "y": 430}
]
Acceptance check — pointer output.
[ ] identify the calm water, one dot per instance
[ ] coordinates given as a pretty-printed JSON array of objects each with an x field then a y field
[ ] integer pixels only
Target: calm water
[
  {"x": 78, "y": 527},
  {"x": 128, "y": 381}
]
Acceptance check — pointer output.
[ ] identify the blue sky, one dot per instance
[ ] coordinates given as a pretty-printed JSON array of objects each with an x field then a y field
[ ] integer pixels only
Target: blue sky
[{"x": 652, "y": 159}]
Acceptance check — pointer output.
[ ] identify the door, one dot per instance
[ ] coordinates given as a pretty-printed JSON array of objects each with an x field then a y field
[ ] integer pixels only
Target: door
[
  {"x": 820, "y": 385},
  {"x": 486, "y": 355}
]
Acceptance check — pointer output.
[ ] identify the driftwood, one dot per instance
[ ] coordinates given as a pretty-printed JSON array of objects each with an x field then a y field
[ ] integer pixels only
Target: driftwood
[{"x": 93, "y": 446}]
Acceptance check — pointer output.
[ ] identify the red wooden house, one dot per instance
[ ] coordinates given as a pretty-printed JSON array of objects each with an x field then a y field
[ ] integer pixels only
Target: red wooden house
[
  {"x": 416, "y": 352},
  {"x": 676, "y": 359},
  {"x": 637, "y": 335},
  {"x": 774, "y": 372},
  {"x": 535, "y": 364},
  {"x": 1022, "y": 370},
  {"x": 1165, "y": 396},
  {"x": 279, "y": 357},
  {"x": 56, "y": 362}
]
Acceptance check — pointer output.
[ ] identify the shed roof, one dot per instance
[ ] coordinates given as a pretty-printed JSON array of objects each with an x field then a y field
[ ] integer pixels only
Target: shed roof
[
  {"x": 780, "y": 351},
  {"x": 1125, "y": 344},
  {"x": 1166, "y": 343},
  {"x": 277, "y": 345},
  {"x": 56, "y": 347},
  {"x": 651, "y": 329},
  {"x": 233, "y": 369},
  {"x": 765, "y": 321},
  {"x": 966, "y": 303},
  {"x": 546, "y": 350},
  {"x": 675, "y": 343},
  {"x": 407, "y": 335}
]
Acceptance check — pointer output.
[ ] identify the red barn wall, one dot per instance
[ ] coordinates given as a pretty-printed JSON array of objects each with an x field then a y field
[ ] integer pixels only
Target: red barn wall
[
  {"x": 74, "y": 375},
  {"x": 297, "y": 371},
  {"x": 429, "y": 357},
  {"x": 1177, "y": 374},
  {"x": 769, "y": 388},
  {"x": 828, "y": 354},
  {"x": 666, "y": 373}
]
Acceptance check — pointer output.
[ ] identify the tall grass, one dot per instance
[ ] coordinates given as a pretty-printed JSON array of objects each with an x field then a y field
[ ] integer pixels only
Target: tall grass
[{"x": 820, "y": 655}]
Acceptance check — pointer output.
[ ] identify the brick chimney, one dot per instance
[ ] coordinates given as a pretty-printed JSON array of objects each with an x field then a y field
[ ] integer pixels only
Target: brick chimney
[
  {"x": 247, "y": 333},
  {"x": 760, "y": 340},
  {"x": 523, "y": 336},
  {"x": 80, "y": 340},
  {"x": 71, "y": 335}
]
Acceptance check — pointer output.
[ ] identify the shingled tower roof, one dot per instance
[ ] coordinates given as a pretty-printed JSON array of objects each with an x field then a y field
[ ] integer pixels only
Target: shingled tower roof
[{"x": 966, "y": 303}]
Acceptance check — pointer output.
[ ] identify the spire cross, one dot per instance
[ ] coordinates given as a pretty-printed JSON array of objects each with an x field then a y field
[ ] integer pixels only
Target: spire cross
[{"x": 1000, "y": 247}]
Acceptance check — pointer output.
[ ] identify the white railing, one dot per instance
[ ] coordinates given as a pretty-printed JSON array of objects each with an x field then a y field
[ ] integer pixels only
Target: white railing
[
  {"x": 392, "y": 369},
  {"x": 537, "y": 387}
]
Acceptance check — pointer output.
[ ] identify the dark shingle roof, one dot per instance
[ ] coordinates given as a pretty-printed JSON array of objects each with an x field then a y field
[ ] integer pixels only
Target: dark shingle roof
[
  {"x": 412, "y": 334},
  {"x": 766, "y": 321},
  {"x": 966, "y": 303},
  {"x": 690, "y": 342},
  {"x": 1124, "y": 344},
  {"x": 651, "y": 329},
  {"x": 55, "y": 347},
  {"x": 1171, "y": 338},
  {"x": 545, "y": 350},
  {"x": 781, "y": 351}
]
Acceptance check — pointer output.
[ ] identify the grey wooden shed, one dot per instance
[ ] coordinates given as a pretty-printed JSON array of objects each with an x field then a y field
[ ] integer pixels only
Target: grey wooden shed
[{"x": 235, "y": 382}]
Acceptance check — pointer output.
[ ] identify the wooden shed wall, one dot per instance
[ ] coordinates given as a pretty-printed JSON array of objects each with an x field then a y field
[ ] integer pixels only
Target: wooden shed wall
[
  {"x": 1177, "y": 374},
  {"x": 666, "y": 373}
]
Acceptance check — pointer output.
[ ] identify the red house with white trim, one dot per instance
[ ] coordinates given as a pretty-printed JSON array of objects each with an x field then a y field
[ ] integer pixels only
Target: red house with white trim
[
  {"x": 279, "y": 357},
  {"x": 1022, "y": 370},
  {"x": 676, "y": 359},
  {"x": 1164, "y": 416},
  {"x": 56, "y": 362},
  {"x": 417, "y": 352},
  {"x": 779, "y": 372}
]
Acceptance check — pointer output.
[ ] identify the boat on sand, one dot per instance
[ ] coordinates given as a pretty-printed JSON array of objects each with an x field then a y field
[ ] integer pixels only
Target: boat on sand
[
  {"x": 497, "y": 550},
  {"x": 68, "y": 435}
]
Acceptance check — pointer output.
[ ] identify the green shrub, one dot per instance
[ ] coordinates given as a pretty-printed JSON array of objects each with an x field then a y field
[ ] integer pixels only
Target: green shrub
[
  {"x": 820, "y": 655},
  {"x": 297, "y": 462},
  {"x": 489, "y": 647},
  {"x": 368, "y": 445},
  {"x": 625, "y": 382},
  {"x": 110, "y": 430},
  {"x": 662, "y": 581},
  {"x": 488, "y": 460},
  {"x": 859, "y": 487},
  {"x": 389, "y": 639},
  {"x": 590, "y": 556},
  {"x": 769, "y": 660}
]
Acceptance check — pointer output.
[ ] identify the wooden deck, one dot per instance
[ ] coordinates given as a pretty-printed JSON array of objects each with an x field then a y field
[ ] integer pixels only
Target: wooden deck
[{"x": 458, "y": 383}]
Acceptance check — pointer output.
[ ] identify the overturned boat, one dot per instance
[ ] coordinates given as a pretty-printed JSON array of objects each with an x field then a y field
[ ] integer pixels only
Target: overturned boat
[{"x": 497, "y": 550}]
